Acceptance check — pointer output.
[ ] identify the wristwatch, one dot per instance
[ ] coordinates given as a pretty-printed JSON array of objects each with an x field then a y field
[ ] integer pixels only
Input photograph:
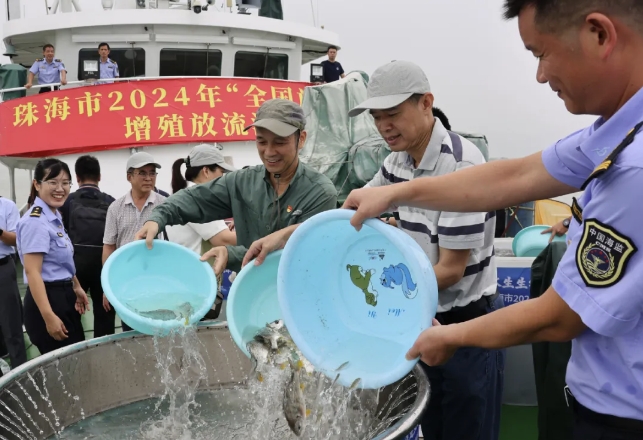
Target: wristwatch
[{"x": 566, "y": 223}]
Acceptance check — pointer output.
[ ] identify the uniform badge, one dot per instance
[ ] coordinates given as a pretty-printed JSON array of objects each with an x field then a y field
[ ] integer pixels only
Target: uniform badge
[
  {"x": 36, "y": 212},
  {"x": 577, "y": 212},
  {"x": 289, "y": 209},
  {"x": 602, "y": 254}
]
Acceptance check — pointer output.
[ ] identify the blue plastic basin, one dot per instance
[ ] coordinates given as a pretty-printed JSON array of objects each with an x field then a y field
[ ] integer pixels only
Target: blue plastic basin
[
  {"x": 168, "y": 275},
  {"x": 531, "y": 241},
  {"x": 252, "y": 301},
  {"x": 358, "y": 297}
]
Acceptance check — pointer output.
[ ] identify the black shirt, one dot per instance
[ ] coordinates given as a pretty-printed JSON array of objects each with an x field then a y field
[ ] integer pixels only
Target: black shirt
[{"x": 332, "y": 71}]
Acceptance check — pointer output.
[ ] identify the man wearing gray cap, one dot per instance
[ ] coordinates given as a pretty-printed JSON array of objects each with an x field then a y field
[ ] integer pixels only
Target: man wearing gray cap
[
  {"x": 262, "y": 199},
  {"x": 126, "y": 215},
  {"x": 460, "y": 247}
]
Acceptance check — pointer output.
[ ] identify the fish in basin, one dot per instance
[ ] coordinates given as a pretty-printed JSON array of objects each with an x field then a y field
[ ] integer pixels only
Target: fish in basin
[{"x": 183, "y": 311}]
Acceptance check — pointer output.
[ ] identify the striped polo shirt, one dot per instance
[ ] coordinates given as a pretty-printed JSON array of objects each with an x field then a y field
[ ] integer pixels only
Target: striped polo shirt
[{"x": 447, "y": 152}]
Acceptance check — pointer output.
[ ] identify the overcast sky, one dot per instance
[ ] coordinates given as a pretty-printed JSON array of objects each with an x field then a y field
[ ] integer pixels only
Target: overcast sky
[{"x": 480, "y": 73}]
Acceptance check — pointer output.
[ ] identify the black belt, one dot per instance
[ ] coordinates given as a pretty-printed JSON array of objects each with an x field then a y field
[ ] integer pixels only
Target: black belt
[
  {"x": 607, "y": 420},
  {"x": 471, "y": 311},
  {"x": 59, "y": 283},
  {"x": 5, "y": 260}
]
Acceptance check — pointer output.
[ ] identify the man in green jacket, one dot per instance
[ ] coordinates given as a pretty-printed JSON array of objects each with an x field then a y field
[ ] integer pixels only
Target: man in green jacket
[{"x": 261, "y": 199}]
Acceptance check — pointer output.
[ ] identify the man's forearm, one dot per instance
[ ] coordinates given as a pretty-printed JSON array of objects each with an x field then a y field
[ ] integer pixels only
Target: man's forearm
[
  {"x": 482, "y": 188},
  {"x": 8, "y": 238},
  {"x": 108, "y": 250},
  {"x": 446, "y": 277},
  {"x": 546, "y": 318},
  {"x": 198, "y": 204}
]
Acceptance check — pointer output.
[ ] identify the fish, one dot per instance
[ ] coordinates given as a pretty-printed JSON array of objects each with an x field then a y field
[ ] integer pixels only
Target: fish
[
  {"x": 160, "y": 314},
  {"x": 182, "y": 311},
  {"x": 355, "y": 383},
  {"x": 276, "y": 333},
  {"x": 294, "y": 405},
  {"x": 276, "y": 325},
  {"x": 259, "y": 353},
  {"x": 185, "y": 310},
  {"x": 342, "y": 366},
  {"x": 272, "y": 338}
]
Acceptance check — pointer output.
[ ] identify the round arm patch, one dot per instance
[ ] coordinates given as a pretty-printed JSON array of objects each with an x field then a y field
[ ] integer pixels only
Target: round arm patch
[{"x": 602, "y": 254}]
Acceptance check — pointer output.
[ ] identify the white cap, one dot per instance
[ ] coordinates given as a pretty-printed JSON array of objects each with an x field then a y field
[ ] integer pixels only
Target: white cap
[
  {"x": 140, "y": 159},
  {"x": 391, "y": 85},
  {"x": 206, "y": 154}
]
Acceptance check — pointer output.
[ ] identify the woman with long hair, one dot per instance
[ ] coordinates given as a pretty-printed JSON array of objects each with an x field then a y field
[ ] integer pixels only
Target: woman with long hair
[
  {"x": 54, "y": 300},
  {"x": 204, "y": 164}
]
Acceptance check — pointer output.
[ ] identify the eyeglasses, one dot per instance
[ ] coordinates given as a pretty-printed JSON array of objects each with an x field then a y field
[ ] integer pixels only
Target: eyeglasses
[
  {"x": 53, "y": 184},
  {"x": 144, "y": 175}
]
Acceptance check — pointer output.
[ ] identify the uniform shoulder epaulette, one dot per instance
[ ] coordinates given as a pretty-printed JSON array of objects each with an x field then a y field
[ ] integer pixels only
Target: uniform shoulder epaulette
[
  {"x": 39, "y": 59},
  {"x": 112, "y": 61},
  {"x": 58, "y": 60},
  {"x": 36, "y": 212}
]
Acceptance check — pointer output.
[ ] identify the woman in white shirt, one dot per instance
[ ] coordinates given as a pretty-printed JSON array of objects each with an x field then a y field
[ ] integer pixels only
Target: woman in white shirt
[{"x": 203, "y": 164}]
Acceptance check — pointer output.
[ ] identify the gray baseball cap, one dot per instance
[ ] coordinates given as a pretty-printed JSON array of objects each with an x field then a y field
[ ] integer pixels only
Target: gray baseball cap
[
  {"x": 391, "y": 85},
  {"x": 140, "y": 159},
  {"x": 281, "y": 116},
  {"x": 207, "y": 154}
]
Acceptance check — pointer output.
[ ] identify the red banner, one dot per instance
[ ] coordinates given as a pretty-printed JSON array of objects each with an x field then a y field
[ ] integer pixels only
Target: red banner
[{"x": 137, "y": 113}]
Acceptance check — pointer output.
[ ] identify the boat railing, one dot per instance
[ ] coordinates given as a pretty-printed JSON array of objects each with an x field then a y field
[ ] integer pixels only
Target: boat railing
[
  {"x": 90, "y": 83},
  {"x": 15, "y": 10}
]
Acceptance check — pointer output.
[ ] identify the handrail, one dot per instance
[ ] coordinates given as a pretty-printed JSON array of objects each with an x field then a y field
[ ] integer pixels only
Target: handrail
[{"x": 88, "y": 83}]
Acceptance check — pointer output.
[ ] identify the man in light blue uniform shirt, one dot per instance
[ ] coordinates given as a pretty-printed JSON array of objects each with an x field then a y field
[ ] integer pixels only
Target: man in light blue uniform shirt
[
  {"x": 108, "y": 67},
  {"x": 50, "y": 70},
  {"x": 10, "y": 301},
  {"x": 591, "y": 53}
]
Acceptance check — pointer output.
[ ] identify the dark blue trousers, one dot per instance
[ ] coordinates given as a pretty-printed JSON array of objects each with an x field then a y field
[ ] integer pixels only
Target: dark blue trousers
[{"x": 466, "y": 394}]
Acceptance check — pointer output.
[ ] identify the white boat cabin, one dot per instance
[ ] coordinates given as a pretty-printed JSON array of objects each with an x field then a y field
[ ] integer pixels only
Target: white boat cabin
[{"x": 160, "y": 39}]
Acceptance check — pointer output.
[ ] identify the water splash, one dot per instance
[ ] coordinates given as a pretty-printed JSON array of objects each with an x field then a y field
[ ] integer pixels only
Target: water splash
[
  {"x": 248, "y": 408},
  {"x": 27, "y": 413},
  {"x": 75, "y": 399},
  {"x": 178, "y": 351},
  {"x": 11, "y": 431},
  {"x": 118, "y": 344},
  {"x": 40, "y": 413}
]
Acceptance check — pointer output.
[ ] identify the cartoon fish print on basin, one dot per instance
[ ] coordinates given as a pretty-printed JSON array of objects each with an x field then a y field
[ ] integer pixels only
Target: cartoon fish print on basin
[
  {"x": 362, "y": 280},
  {"x": 399, "y": 275}
]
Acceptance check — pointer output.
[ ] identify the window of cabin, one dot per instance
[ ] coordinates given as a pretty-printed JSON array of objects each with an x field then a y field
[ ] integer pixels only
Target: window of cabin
[
  {"x": 130, "y": 61},
  {"x": 261, "y": 65},
  {"x": 190, "y": 62}
]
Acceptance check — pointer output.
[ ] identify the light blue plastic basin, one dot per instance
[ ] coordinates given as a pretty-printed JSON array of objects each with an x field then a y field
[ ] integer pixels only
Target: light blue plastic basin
[
  {"x": 168, "y": 275},
  {"x": 530, "y": 241},
  {"x": 328, "y": 275},
  {"x": 252, "y": 301}
]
